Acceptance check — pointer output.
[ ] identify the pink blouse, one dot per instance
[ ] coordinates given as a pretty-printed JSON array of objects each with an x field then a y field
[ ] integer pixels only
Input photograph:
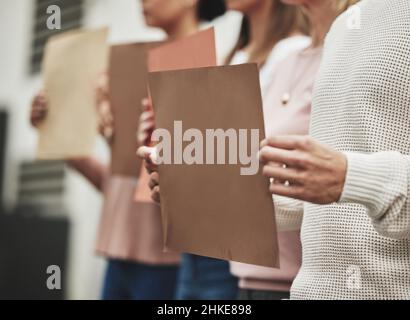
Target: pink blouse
[{"x": 129, "y": 230}]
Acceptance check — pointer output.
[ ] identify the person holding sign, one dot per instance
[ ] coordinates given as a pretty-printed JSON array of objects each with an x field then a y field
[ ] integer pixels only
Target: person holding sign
[
  {"x": 289, "y": 115},
  {"x": 137, "y": 269},
  {"x": 351, "y": 178},
  {"x": 270, "y": 31},
  {"x": 199, "y": 277},
  {"x": 284, "y": 114},
  {"x": 284, "y": 34}
]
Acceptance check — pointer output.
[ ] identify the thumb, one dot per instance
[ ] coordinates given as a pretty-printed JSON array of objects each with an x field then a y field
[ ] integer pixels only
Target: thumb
[{"x": 147, "y": 153}]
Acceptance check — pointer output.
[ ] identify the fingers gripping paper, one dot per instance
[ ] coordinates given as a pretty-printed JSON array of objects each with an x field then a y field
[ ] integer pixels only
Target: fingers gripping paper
[
  {"x": 71, "y": 66},
  {"x": 195, "y": 51},
  {"x": 128, "y": 86},
  {"x": 211, "y": 209}
]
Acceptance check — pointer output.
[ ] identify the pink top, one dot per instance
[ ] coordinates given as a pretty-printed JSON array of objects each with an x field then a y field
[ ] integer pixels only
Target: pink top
[
  {"x": 294, "y": 77},
  {"x": 129, "y": 230}
]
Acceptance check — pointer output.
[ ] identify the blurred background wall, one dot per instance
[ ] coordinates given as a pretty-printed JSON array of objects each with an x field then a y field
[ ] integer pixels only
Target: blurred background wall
[{"x": 74, "y": 201}]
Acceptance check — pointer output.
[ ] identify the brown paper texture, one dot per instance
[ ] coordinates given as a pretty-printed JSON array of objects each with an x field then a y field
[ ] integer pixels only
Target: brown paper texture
[
  {"x": 128, "y": 76},
  {"x": 71, "y": 67},
  {"x": 212, "y": 210},
  {"x": 198, "y": 50}
]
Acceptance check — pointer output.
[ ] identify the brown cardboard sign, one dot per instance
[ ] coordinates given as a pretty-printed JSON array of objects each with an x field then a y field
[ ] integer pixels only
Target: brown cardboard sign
[{"x": 213, "y": 205}]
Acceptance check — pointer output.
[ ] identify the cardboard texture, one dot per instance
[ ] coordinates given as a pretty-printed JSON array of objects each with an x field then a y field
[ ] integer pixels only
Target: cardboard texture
[
  {"x": 71, "y": 66},
  {"x": 128, "y": 74},
  {"x": 198, "y": 50},
  {"x": 212, "y": 210}
]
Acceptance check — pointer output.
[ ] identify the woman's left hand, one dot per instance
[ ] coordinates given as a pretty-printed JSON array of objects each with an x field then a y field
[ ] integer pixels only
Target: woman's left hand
[{"x": 303, "y": 169}]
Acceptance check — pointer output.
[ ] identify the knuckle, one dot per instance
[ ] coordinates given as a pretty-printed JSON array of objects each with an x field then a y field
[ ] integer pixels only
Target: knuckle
[
  {"x": 298, "y": 192},
  {"x": 263, "y": 154},
  {"x": 271, "y": 140},
  {"x": 155, "y": 177},
  {"x": 301, "y": 160},
  {"x": 305, "y": 142},
  {"x": 266, "y": 171},
  {"x": 302, "y": 176}
]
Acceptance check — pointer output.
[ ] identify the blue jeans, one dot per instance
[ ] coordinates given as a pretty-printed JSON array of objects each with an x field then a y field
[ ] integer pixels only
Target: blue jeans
[
  {"x": 202, "y": 278},
  {"x": 126, "y": 280}
]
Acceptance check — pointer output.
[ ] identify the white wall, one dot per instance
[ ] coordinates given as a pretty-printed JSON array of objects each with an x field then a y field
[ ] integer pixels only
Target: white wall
[{"x": 16, "y": 90}]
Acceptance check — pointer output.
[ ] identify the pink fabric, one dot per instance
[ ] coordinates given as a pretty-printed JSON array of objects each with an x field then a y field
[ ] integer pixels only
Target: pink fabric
[
  {"x": 130, "y": 230},
  {"x": 295, "y": 74}
]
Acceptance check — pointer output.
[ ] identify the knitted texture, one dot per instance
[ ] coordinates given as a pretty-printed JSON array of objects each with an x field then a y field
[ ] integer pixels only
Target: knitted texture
[{"x": 359, "y": 248}]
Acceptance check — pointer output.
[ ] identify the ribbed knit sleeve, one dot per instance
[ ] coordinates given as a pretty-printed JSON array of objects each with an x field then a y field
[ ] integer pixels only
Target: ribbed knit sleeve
[
  {"x": 381, "y": 182},
  {"x": 288, "y": 212}
]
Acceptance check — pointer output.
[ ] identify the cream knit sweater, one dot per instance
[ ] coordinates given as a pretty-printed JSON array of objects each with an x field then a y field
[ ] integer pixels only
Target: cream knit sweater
[{"x": 359, "y": 248}]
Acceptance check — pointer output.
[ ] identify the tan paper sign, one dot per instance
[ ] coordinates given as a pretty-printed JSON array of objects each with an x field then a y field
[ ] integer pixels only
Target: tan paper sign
[
  {"x": 128, "y": 76},
  {"x": 71, "y": 66},
  {"x": 210, "y": 208},
  {"x": 195, "y": 51}
]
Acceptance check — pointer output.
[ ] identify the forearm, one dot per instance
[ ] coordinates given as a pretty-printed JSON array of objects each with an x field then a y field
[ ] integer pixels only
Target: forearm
[
  {"x": 381, "y": 183},
  {"x": 93, "y": 170}
]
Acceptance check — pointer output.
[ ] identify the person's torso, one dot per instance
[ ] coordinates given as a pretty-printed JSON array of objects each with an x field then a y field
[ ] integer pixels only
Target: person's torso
[
  {"x": 279, "y": 119},
  {"x": 130, "y": 230},
  {"x": 361, "y": 104}
]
